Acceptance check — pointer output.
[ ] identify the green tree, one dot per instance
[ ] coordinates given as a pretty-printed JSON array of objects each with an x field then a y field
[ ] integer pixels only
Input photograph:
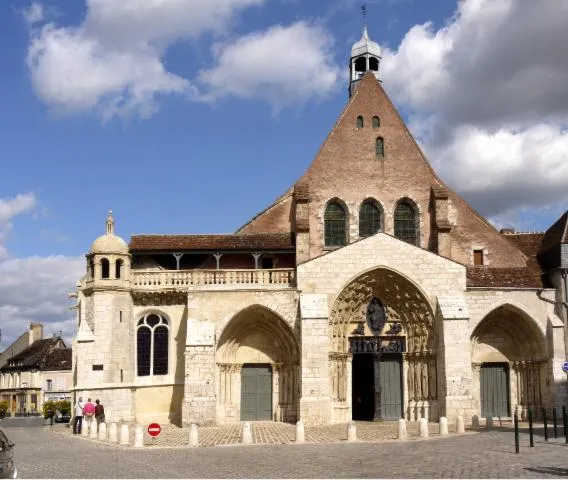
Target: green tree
[
  {"x": 49, "y": 409},
  {"x": 3, "y": 408},
  {"x": 64, "y": 406}
]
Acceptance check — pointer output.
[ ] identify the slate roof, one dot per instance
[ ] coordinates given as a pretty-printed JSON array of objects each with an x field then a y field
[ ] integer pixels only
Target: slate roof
[
  {"x": 551, "y": 247},
  {"x": 39, "y": 354},
  {"x": 253, "y": 241}
]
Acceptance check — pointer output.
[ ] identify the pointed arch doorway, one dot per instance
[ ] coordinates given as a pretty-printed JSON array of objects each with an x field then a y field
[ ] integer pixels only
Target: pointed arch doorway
[{"x": 385, "y": 349}]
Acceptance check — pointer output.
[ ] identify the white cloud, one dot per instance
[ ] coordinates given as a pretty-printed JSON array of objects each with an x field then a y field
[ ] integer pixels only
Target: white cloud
[
  {"x": 282, "y": 66},
  {"x": 488, "y": 97},
  {"x": 112, "y": 63},
  {"x": 33, "y": 14},
  {"x": 35, "y": 290},
  {"x": 10, "y": 208}
]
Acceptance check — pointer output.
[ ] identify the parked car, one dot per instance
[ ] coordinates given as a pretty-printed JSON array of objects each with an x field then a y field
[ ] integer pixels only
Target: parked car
[
  {"x": 7, "y": 466},
  {"x": 62, "y": 417}
]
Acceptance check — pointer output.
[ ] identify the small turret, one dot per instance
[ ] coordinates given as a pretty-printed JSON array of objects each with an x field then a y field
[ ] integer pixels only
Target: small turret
[{"x": 365, "y": 57}]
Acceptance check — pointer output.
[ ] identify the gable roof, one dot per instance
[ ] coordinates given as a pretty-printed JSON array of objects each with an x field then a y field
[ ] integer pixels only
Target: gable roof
[
  {"x": 36, "y": 355},
  {"x": 244, "y": 242}
]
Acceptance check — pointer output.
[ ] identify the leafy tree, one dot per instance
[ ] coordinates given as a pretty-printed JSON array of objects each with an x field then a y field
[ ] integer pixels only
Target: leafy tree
[
  {"x": 64, "y": 406},
  {"x": 49, "y": 409},
  {"x": 3, "y": 408}
]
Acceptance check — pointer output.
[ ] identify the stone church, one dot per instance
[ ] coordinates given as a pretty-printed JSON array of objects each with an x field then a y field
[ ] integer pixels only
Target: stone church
[{"x": 369, "y": 290}]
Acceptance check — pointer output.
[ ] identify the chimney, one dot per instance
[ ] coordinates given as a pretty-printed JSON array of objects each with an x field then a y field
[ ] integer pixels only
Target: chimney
[{"x": 35, "y": 333}]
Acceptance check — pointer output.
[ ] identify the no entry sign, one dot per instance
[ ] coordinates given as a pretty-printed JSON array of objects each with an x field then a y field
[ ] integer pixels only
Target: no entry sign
[{"x": 154, "y": 429}]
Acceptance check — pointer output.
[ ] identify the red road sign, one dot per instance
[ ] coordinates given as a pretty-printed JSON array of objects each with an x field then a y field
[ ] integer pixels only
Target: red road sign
[{"x": 154, "y": 429}]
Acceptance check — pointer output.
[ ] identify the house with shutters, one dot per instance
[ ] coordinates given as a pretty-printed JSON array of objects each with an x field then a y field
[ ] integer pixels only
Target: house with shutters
[{"x": 369, "y": 290}]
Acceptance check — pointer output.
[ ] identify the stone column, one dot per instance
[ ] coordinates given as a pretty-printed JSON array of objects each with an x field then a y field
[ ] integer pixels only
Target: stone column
[
  {"x": 453, "y": 317},
  {"x": 476, "y": 386},
  {"x": 199, "y": 391},
  {"x": 315, "y": 402}
]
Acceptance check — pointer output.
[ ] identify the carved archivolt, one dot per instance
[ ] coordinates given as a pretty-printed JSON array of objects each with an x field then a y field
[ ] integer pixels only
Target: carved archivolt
[{"x": 409, "y": 316}]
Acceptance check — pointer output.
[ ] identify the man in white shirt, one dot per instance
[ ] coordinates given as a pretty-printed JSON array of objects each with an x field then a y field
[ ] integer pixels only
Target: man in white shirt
[{"x": 78, "y": 421}]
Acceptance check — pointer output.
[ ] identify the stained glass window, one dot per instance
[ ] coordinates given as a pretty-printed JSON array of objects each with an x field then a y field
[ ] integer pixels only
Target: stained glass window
[
  {"x": 335, "y": 227},
  {"x": 405, "y": 225},
  {"x": 152, "y": 345},
  {"x": 369, "y": 219}
]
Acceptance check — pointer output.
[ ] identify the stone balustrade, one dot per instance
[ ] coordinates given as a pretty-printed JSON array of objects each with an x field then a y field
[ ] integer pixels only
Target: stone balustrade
[{"x": 184, "y": 279}]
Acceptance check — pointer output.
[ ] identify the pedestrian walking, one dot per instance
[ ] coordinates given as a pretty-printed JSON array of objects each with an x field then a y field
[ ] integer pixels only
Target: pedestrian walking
[
  {"x": 89, "y": 413},
  {"x": 99, "y": 413},
  {"x": 78, "y": 420}
]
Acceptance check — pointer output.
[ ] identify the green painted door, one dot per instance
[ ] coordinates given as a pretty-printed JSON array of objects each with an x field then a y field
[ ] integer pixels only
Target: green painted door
[
  {"x": 391, "y": 387},
  {"x": 494, "y": 390},
  {"x": 256, "y": 392}
]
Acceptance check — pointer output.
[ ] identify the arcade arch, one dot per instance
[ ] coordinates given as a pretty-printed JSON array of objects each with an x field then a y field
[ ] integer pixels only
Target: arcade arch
[
  {"x": 509, "y": 362},
  {"x": 257, "y": 368}
]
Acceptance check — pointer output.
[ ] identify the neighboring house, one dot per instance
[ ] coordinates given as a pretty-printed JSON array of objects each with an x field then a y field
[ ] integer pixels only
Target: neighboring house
[
  {"x": 369, "y": 290},
  {"x": 26, "y": 377},
  {"x": 35, "y": 332}
]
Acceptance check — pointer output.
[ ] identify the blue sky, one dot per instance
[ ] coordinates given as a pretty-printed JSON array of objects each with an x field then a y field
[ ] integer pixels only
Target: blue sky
[{"x": 228, "y": 104}]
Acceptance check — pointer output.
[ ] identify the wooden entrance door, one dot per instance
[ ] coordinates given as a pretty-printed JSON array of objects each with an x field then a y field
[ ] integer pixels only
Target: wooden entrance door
[
  {"x": 256, "y": 392},
  {"x": 494, "y": 378},
  {"x": 391, "y": 387}
]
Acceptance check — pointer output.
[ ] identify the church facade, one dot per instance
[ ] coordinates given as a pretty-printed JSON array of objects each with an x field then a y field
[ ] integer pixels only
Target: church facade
[{"x": 369, "y": 291}]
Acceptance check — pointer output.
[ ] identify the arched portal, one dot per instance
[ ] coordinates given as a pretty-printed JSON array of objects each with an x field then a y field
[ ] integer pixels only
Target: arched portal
[
  {"x": 509, "y": 363},
  {"x": 257, "y": 367},
  {"x": 382, "y": 324}
]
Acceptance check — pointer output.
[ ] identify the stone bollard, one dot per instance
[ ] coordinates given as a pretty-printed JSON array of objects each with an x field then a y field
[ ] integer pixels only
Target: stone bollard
[
  {"x": 113, "y": 433},
  {"x": 402, "y": 435},
  {"x": 300, "y": 434},
  {"x": 443, "y": 426},
  {"x": 139, "y": 437},
  {"x": 124, "y": 435},
  {"x": 193, "y": 435},
  {"x": 489, "y": 423},
  {"x": 423, "y": 428},
  {"x": 85, "y": 429},
  {"x": 475, "y": 422},
  {"x": 247, "y": 434},
  {"x": 460, "y": 425},
  {"x": 351, "y": 431},
  {"x": 103, "y": 432},
  {"x": 93, "y": 430}
]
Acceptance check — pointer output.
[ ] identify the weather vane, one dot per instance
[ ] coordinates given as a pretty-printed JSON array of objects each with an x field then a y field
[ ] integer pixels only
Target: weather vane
[{"x": 364, "y": 12}]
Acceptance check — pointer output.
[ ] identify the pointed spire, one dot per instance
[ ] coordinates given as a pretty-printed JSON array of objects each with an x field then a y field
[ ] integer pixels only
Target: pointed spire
[
  {"x": 364, "y": 13},
  {"x": 110, "y": 223}
]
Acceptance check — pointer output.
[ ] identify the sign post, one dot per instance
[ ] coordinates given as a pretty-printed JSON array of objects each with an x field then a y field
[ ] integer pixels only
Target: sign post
[
  {"x": 565, "y": 367},
  {"x": 154, "y": 430}
]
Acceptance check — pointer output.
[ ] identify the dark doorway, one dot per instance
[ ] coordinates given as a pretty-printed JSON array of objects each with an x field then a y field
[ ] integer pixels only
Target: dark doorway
[
  {"x": 377, "y": 387},
  {"x": 256, "y": 392},
  {"x": 363, "y": 391},
  {"x": 494, "y": 378}
]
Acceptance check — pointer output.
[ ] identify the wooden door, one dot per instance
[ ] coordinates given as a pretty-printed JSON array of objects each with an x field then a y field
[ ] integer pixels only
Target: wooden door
[
  {"x": 256, "y": 392},
  {"x": 391, "y": 387},
  {"x": 494, "y": 378}
]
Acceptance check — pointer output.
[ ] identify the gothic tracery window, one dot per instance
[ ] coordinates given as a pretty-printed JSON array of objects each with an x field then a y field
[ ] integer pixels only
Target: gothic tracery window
[
  {"x": 369, "y": 219},
  {"x": 405, "y": 223},
  {"x": 152, "y": 340},
  {"x": 335, "y": 225}
]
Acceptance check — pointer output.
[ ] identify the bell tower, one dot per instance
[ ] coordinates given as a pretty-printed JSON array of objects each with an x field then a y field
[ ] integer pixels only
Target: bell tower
[{"x": 365, "y": 57}]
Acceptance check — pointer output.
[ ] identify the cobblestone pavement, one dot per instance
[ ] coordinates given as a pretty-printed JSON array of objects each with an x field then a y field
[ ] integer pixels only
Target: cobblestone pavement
[
  {"x": 41, "y": 452},
  {"x": 276, "y": 433}
]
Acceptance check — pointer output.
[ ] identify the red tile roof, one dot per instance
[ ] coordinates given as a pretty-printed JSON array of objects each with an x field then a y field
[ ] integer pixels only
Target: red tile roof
[
  {"x": 523, "y": 277},
  {"x": 253, "y": 241}
]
